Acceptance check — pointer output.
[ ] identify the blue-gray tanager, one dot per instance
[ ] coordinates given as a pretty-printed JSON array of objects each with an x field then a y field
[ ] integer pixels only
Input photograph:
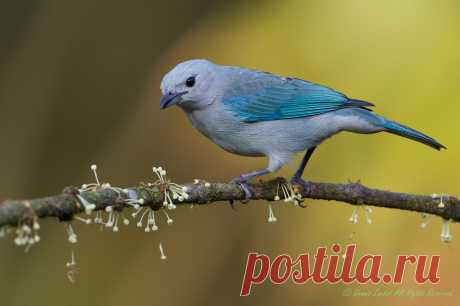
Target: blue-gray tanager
[{"x": 254, "y": 113}]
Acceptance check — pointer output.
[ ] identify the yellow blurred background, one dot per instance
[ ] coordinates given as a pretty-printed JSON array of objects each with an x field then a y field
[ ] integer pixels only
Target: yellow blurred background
[{"x": 79, "y": 84}]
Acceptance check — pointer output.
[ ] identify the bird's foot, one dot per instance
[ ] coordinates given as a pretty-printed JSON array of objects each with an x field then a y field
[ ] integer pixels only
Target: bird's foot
[
  {"x": 247, "y": 192},
  {"x": 298, "y": 182},
  {"x": 245, "y": 187}
]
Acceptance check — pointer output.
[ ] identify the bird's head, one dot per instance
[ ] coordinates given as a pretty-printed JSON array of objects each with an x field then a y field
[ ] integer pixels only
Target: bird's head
[{"x": 189, "y": 85}]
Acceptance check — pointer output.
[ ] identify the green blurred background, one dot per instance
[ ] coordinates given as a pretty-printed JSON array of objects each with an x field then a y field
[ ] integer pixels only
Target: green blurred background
[{"x": 79, "y": 84}]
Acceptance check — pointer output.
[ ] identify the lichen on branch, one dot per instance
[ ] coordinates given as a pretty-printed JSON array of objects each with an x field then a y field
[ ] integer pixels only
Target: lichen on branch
[{"x": 164, "y": 194}]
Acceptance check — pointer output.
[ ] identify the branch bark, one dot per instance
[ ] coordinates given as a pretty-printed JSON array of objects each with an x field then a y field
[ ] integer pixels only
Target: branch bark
[{"x": 65, "y": 205}]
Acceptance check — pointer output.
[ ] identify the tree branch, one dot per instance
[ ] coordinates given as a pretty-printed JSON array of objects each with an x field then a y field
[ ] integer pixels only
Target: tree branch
[{"x": 64, "y": 206}]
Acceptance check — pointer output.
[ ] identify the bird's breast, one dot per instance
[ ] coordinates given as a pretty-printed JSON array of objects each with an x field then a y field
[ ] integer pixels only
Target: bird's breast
[{"x": 226, "y": 131}]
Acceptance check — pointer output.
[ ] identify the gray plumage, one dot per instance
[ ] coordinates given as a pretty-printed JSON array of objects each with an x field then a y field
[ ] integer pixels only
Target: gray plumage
[{"x": 255, "y": 113}]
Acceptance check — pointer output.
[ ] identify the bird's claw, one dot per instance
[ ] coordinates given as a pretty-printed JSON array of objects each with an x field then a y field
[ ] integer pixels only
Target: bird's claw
[
  {"x": 245, "y": 187},
  {"x": 247, "y": 192},
  {"x": 296, "y": 182}
]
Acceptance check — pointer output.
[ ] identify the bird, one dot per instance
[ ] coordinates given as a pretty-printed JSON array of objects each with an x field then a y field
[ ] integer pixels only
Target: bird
[{"x": 256, "y": 113}]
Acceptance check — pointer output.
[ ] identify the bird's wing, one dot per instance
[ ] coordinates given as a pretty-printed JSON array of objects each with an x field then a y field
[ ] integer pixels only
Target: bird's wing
[{"x": 275, "y": 98}]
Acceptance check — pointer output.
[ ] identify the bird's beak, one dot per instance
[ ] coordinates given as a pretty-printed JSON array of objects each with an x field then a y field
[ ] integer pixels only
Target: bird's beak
[{"x": 171, "y": 98}]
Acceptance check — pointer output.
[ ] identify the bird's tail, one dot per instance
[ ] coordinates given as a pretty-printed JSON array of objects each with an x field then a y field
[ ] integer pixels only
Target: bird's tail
[{"x": 404, "y": 131}]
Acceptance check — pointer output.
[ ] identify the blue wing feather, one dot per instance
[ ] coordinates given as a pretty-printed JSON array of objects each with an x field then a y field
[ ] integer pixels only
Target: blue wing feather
[{"x": 279, "y": 98}]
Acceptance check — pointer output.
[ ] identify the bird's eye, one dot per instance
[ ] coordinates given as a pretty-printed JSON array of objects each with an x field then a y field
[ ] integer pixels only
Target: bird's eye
[{"x": 190, "y": 81}]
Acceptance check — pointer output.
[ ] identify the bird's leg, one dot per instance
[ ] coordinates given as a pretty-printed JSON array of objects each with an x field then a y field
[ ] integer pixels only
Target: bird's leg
[
  {"x": 297, "y": 178},
  {"x": 241, "y": 180}
]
